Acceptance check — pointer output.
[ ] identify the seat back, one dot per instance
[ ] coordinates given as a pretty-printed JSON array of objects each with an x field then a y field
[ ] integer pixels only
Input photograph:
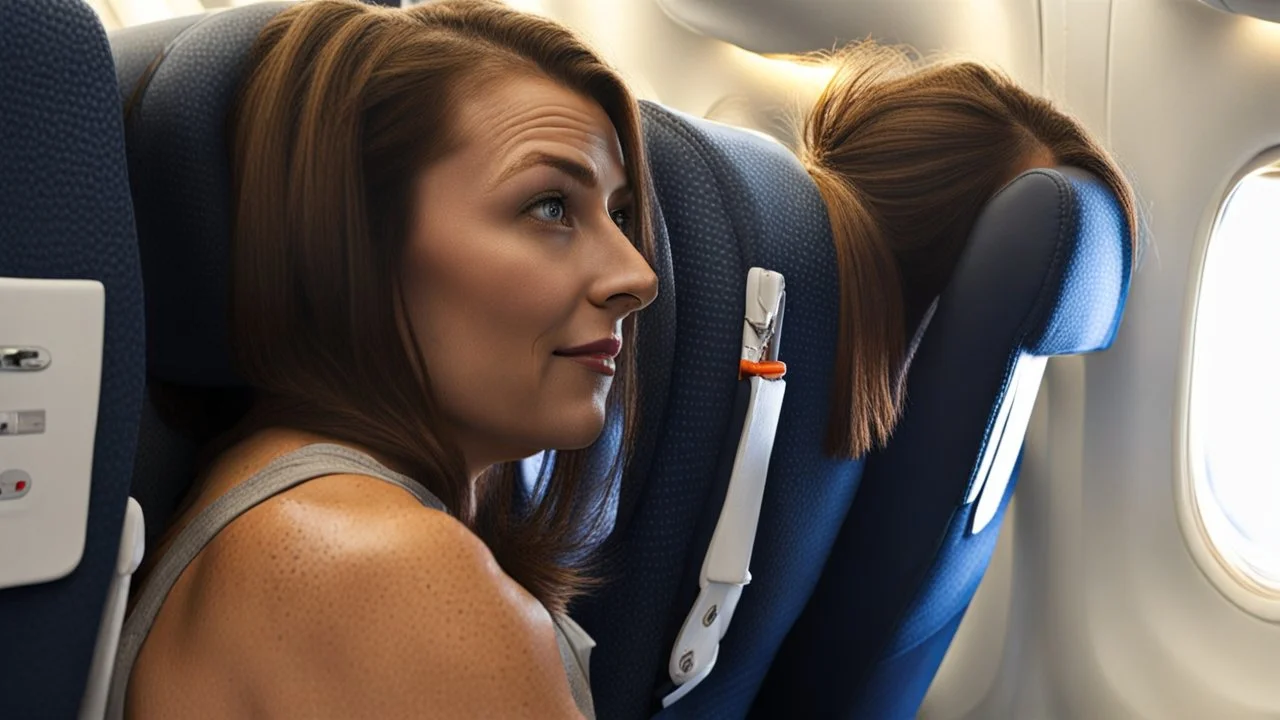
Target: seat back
[
  {"x": 178, "y": 79},
  {"x": 731, "y": 200},
  {"x": 66, "y": 235},
  {"x": 1046, "y": 272}
]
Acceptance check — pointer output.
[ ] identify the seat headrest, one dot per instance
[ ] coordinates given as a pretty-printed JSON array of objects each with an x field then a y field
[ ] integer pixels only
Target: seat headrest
[
  {"x": 1072, "y": 287},
  {"x": 179, "y": 169}
]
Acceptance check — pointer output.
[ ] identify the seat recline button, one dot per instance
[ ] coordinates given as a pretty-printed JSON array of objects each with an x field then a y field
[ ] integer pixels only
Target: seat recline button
[{"x": 14, "y": 484}]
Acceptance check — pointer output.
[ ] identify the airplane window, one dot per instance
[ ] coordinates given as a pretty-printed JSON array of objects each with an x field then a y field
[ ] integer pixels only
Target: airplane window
[{"x": 1234, "y": 410}]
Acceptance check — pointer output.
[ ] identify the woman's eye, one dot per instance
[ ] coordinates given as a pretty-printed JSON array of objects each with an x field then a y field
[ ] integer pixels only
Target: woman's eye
[
  {"x": 549, "y": 210},
  {"x": 621, "y": 218}
]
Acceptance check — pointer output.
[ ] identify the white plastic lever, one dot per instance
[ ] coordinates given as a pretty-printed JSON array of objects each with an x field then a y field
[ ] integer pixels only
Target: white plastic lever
[{"x": 725, "y": 567}]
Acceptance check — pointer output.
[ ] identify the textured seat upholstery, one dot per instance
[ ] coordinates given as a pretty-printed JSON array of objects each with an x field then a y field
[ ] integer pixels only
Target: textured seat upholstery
[
  {"x": 731, "y": 200},
  {"x": 1046, "y": 272},
  {"x": 65, "y": 214},
  {"x": 177, "y": 79}
]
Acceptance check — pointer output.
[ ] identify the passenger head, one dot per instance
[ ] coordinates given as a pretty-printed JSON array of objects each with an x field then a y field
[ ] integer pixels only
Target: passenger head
[
  {"x": 905, "y": 156},
  {"x": 436, "y": 209}
]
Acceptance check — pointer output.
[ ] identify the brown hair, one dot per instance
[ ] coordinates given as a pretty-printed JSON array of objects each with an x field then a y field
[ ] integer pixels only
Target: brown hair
[
  {"x": 343, "y": 105},
  {"x": 905, "y": 155}
]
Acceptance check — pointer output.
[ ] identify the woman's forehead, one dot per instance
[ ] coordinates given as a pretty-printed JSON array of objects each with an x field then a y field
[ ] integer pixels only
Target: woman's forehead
[{"x": 514, "y": 116}]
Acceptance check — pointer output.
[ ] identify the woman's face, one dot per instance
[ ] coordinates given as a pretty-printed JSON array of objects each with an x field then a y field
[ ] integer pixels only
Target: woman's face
[{"x": 517, "y": 273}]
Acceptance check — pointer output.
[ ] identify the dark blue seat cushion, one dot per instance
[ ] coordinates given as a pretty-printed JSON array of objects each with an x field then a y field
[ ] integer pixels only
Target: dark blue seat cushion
[
  {"x": 177, "y": 79},
  {"x": 731, "y": 200},
  {"x": 1046, "y": 272},
  {"x": 65, "y": 214},
  {"x": 180, "y": 169}
]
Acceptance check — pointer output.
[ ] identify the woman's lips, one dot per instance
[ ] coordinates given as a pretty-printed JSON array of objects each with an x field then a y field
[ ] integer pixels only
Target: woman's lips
[
  {"x": 602, "y": 364},
  {"x": 604, "y": 347},
  {"x": 597, "y": 356}
]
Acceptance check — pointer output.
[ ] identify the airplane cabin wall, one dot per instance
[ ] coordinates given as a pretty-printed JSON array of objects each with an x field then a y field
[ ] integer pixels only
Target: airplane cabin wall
[{"x": 1113, "y": 614}]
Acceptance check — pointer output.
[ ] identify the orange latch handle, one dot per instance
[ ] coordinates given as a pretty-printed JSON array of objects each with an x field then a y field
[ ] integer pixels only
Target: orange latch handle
[{"x": 767, "y": 369}]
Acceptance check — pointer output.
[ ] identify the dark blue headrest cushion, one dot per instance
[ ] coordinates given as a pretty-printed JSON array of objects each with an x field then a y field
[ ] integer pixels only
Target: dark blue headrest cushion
[
  {"x": 1071, "y": 289},
  {"x": 1046, "y": 272},
  {"x": 179, "y": 167},
  {"x": 134, "y": 49}
]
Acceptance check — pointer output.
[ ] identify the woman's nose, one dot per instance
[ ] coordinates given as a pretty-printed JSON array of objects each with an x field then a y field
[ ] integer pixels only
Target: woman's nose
[{"x": 628, "y": 283}]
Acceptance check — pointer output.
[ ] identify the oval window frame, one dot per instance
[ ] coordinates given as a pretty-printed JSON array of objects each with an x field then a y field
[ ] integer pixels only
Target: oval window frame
[{"x": 1222, "y": 566}]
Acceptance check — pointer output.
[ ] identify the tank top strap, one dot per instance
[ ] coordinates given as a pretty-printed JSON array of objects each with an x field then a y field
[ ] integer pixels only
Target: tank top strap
[
  {"x": 287, "y": 471},
  {"x": 575, "y": 654}
]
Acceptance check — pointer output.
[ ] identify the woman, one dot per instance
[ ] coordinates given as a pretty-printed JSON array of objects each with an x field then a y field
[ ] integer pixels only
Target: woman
[
  {"x": 905, "y": 156},
  {"x": 440, "y": 240}
]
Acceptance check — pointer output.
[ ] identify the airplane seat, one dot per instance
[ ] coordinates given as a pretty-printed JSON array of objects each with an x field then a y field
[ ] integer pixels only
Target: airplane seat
[
  {"x": 1046, "y": 273},
  {"x": 71, "y": 360},
  {"x": 731, "y": 200},
  {"x": 135, "y": 48},
  {"x": 178, "y": 78}
]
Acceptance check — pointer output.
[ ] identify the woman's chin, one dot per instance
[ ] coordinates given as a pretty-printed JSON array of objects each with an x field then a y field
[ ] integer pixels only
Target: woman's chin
[
  {"x": 582, "y": 439},
  {"x": 564, "y": 431},
  {"x": 575, "y": 432}
]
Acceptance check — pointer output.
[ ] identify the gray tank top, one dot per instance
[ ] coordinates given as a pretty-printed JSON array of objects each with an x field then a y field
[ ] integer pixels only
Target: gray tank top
[{"x": 287, "y": 471}]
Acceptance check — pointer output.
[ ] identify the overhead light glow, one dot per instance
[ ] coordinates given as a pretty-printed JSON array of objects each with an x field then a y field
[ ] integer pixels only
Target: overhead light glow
[{"x": 809, "y": 75}]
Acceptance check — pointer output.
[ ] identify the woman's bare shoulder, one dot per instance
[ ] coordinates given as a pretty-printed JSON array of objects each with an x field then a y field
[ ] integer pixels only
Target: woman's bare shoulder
[{"x": 345, "y": 596}]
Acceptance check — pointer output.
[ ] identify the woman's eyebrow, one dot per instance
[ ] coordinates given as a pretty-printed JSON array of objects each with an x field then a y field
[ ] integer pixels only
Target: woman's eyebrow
[
  {"x": 584, "y": 174},
  {"x": 622, "y": 196}
]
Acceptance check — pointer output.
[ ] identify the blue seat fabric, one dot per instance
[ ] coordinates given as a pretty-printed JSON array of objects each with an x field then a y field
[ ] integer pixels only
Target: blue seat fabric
[
  {"x": 65, "y": 214},
  {"x": 1046, "y": 272},
  {"x": 731, "y": 200}
]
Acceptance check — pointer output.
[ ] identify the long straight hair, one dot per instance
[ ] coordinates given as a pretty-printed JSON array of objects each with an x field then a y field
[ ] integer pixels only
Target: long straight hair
[
  {"x": 905, "y": 155},
  {"x": 343, "y": 105}
]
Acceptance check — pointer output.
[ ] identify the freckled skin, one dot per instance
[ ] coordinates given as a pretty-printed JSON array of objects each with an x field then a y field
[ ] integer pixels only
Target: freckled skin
[{"x": 346, "y": 598}]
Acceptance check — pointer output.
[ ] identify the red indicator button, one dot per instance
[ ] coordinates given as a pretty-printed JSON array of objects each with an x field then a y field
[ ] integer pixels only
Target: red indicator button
[{"x": 14, "y": 484}]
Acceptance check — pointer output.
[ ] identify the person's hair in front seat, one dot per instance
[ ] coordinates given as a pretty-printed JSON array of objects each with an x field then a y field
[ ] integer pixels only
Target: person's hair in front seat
[
  {"x": 441, "y": 236},
  {"x": 905, "y": 155}
]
